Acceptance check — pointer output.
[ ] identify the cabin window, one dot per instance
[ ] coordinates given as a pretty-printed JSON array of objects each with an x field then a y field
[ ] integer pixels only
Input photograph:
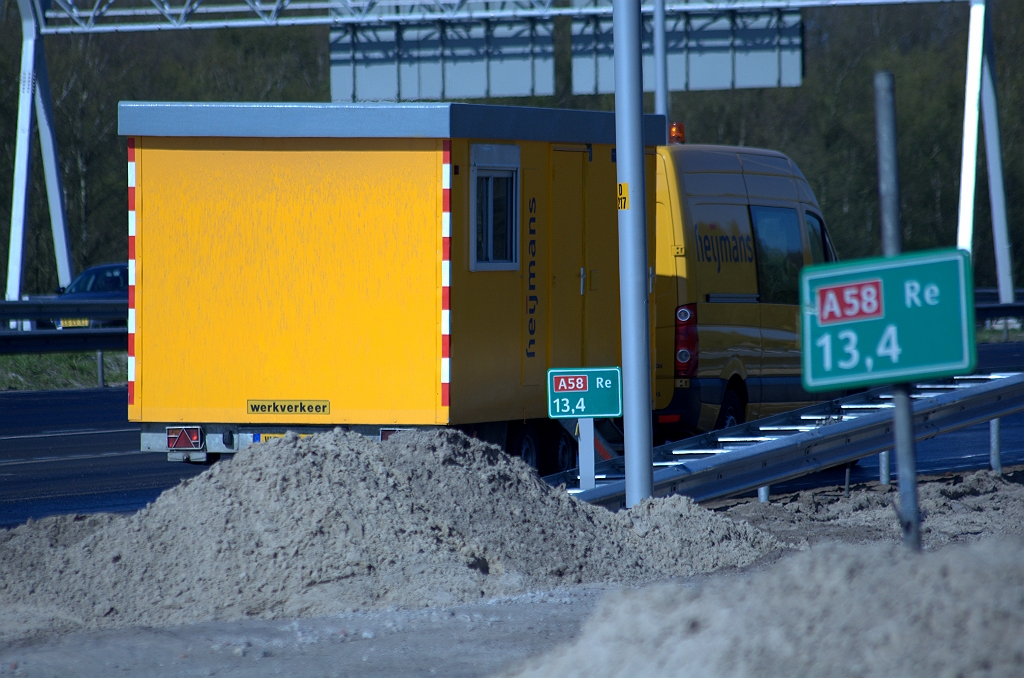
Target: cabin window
[{"x": 494, "y": 199}]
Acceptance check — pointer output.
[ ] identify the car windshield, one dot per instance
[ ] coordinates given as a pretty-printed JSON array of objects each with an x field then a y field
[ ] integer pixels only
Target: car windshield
[{"x": 100, "y": 280}]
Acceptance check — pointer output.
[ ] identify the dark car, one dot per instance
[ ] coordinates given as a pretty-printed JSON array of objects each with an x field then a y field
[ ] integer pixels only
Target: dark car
[{"x": 109, "y": 281}]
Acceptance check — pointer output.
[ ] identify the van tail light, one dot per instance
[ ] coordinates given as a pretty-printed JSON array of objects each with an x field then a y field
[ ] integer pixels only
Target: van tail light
[
  {"x": 687, "y": 345},
  {"x": 184, "y": 438}
]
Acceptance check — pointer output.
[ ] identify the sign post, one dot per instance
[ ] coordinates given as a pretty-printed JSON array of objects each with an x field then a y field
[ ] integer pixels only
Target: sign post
[
  {"x": 891, "y": 320},
  {"x": 584, "y": 394}
]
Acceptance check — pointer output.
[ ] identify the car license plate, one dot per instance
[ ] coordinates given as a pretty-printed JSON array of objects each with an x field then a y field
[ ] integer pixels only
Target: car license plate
[{"x": 74, "y": 322}]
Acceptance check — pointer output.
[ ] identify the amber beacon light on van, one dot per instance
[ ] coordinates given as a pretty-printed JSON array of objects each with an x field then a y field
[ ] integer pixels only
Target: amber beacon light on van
[{"x": 676, "y": 133}]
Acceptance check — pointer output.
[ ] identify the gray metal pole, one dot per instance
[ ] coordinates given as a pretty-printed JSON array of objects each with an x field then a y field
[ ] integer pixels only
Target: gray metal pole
[
  {"x": 884, "y": 474},
  {"x": 994, "y": 161},
  {"x": 660, "y": 60},
  {"x": 100, "y": 381},
  {"x": 636, "y": 342},
  {"x": 22, "y": 154},
  {"x": 995, "y": 457},
  {"x": 763, "y": 494},
  {"x": 892, "y": 245},
  {"x": 888, "y": 167}
]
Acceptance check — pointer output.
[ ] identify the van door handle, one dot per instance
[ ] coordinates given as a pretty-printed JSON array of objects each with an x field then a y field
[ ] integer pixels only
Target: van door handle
[{"x": 583, "y": 280}]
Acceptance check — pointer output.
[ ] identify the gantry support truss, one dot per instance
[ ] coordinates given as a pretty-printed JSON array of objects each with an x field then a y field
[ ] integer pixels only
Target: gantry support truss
[{"x": 61, "y": 17}]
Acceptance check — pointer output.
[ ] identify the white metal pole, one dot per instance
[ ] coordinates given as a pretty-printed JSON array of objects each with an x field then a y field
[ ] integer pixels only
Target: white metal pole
[
  {"x": 629, "y": 169},
  {"x": 972, "y": 93},
  {"x": 994, "y": 159},
  {"x": 660, "y": 60},
  {"x": 51, "y": 169},
  {"x": 586, "y": 448},
  {"x": 22, "y": 154}
]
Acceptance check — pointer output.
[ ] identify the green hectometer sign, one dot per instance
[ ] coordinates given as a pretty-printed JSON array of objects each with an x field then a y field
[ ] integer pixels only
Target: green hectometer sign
[
  {"x": 584, "y": 392},
  {"x": 884, "y": 321}
]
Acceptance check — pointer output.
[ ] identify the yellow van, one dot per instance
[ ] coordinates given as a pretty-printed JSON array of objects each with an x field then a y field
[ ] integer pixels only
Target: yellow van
[{"x": 734, "y": 227}]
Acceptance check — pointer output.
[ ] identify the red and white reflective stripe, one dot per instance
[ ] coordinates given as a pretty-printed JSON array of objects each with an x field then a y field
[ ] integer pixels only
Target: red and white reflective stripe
[
  {"x": 131, "y": 270},
  {"x": 446, "y": 272}
]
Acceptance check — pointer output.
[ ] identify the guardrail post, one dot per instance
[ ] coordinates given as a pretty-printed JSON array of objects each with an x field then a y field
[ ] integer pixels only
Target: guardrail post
[
  {"x": 762, "y": 493},
  {"x": 995, "y": 457},
  {"x": 892, "y": 245},
  {"x": 99, "y": 368},
  {"x": 884, "y": 468}
]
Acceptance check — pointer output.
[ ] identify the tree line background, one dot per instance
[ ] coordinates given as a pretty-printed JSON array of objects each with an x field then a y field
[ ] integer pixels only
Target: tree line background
[{"x": 826, "y": 125}]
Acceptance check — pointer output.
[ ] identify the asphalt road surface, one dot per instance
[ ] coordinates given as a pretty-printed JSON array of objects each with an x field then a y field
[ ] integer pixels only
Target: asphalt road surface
[{"x": 75, "y": 452}]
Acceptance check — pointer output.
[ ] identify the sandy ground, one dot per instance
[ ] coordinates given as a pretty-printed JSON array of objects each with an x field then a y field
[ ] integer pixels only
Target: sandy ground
[
  {"x": 464, "y": 641},
  {"x": 958, "y": 507},
  {"x": 498, "y": 635}
]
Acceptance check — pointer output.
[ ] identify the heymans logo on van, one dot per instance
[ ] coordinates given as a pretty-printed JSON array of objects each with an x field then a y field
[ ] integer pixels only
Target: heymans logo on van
[
  {"x": 289, "y": 406},
  {"x": 719, "y": 247}
]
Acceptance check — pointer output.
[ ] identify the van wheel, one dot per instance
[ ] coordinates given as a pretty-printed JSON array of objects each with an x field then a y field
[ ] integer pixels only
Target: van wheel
[
  {"x": 526, "y": 444},
  {"x": 733, "y": 411}
]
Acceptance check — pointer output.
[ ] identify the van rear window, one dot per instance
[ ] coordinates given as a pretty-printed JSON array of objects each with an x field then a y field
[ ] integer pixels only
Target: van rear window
[{"x": 779, "y": 253}]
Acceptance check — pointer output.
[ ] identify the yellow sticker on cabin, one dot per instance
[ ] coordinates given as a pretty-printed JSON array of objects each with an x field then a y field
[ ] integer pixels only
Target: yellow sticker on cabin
[
  {"x": 289, "y": 406},
  {"x": 623, "y": 196}
]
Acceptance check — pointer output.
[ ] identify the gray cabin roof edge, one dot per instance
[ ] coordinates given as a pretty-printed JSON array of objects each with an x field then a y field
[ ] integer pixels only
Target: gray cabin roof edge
[{"x": 445, "y": 120}]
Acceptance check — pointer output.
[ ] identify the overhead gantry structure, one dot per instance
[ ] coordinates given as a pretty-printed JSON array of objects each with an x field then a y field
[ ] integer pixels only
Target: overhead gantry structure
[{"x": 754, "y": 41}]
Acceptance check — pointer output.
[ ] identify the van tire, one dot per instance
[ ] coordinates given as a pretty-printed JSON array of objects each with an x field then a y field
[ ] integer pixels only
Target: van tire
[
  {"x": 733, "y": 410},
  {"x": 526, "y": 444}
]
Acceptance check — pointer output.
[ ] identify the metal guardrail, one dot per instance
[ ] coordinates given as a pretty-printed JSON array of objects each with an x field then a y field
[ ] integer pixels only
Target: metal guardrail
[
  {"x": 64, "y": 341},
  {"x": 17, "y": 341},
  {"x": 780, "y": 448},
  {"x": 990, "y": 311},
  {"x": 61, "y": 308}
]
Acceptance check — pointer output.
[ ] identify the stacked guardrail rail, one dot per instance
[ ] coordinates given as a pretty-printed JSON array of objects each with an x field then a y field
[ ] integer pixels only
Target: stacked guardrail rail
[{"x": 780, "y": 448}]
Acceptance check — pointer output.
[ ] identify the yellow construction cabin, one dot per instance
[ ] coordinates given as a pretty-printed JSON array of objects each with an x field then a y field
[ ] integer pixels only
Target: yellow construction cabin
[{"x": 384, "y": 266}]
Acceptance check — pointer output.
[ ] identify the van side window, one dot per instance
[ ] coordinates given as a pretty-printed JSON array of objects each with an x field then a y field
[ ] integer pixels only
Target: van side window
[
  {"x": 779, "y": 254},
  {"x": 820, "y": 250}
]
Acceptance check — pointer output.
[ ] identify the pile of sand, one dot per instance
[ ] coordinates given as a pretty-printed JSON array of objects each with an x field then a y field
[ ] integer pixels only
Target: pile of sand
[
  {"x": 836, "y": 610},
  {"x": 958, "y": 507},
  {"x": 335, "y": 522}
]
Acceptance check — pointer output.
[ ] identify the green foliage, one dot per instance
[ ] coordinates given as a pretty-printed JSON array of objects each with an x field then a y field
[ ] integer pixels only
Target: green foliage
[
  {"x": 826, "y": 125},
  {"x": 61, "y": 370}
]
